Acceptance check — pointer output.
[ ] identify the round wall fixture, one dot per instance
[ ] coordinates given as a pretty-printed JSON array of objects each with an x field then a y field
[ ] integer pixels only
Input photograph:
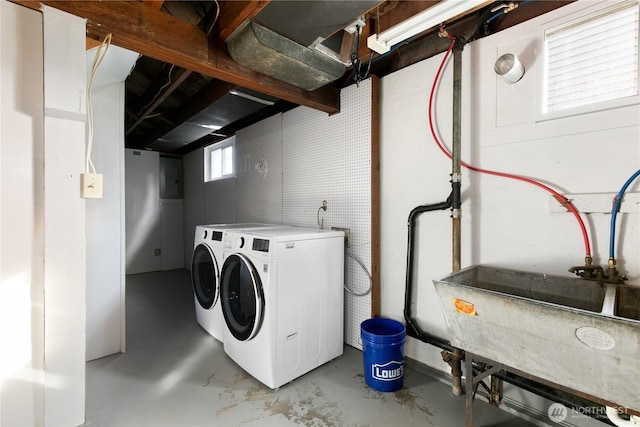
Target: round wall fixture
[{"x": 509, "y": 68}]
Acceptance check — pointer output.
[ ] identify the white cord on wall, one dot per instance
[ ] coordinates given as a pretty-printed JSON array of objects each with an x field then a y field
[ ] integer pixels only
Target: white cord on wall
[{"x": 97, "y": 60}]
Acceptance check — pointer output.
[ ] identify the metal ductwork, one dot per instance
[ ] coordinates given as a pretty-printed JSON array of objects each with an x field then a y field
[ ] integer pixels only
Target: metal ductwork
[{"x": 267, "y": 52}]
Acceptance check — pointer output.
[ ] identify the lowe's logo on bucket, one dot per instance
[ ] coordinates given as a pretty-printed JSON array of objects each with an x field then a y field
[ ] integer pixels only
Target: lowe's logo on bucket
[{"x": 389, "y": 371}]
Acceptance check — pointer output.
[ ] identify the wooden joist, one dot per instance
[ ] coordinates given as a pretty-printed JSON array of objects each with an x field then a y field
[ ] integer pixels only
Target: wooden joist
[{"x": 151, "y": 32}]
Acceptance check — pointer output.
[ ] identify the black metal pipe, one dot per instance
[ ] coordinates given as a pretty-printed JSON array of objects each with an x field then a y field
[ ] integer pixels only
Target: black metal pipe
[
  {"x": 547, "y": 393},
  {"x": 413, "y": 330}
]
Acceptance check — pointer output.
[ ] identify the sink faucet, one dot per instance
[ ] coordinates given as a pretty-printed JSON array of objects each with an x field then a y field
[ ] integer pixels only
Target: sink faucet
[{"x": 597, "y": 273}]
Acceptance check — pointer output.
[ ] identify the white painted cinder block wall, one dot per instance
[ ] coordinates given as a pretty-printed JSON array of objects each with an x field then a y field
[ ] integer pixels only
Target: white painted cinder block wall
[{"x": 42, "y": 262}]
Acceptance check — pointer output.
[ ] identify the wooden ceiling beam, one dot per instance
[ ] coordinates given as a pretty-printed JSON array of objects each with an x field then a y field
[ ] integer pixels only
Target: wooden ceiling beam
[
  {"x": 234, "y": 13},
  {"x": 150, "y": 32},
  {"x": 157, "y": 4}
]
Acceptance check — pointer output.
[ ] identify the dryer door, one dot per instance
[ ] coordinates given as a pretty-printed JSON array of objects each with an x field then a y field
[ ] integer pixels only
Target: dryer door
[
  {"x": 242, "y": 297},
  {"x": 204, "y": 276}
]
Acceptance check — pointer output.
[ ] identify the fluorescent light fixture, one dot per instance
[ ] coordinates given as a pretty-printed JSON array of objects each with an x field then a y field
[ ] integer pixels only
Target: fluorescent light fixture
[
  {"x": 250, "y": 97},
  {"x": 212, "y": 127},
  {"x": 446, "y": 9}
]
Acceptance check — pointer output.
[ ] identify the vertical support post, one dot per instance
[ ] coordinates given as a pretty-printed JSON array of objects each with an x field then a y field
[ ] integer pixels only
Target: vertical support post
[
  {"x": 456, "y": 178},
  {"x": 456, "y": 175},
  {"x": 375, "y": 196},
  {"x": 468, "y": 419},
  {"x": 496, "y": 391},
  {"x": 456, "y": 372}
]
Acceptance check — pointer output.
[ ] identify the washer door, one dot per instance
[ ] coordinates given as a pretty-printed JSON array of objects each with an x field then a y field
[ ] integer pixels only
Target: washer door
[
  {"x": 242, "y": 297},
  {"x": 204, "y": 276}
]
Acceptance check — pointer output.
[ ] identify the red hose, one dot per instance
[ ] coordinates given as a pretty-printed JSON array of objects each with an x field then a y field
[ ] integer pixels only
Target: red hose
[{"x": 559, "y": 197}]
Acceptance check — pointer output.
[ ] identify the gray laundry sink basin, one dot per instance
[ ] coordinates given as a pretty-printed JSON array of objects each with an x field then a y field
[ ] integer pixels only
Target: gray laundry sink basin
[{"x": 577, "y": 333}]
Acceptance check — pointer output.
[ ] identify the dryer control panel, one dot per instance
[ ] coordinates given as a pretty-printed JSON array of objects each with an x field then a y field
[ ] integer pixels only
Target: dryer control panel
[
  {"x": 237, "y": 242},
  {"x": 261, "y": 245}
]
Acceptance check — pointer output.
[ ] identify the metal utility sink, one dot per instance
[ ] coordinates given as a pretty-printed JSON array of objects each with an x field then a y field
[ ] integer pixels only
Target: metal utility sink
[
  {"x": 627, "y": 302},
  {"x": 577, "y": 333},
  {"x": 579, "y": 294}
]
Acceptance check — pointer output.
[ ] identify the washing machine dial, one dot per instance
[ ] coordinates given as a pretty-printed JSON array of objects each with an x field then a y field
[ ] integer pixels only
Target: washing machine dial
[{"x": 241, "y": 242}]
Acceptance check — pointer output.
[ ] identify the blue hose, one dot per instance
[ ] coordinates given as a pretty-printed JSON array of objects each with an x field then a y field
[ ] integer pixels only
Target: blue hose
[{"x": 614, "y": 213}]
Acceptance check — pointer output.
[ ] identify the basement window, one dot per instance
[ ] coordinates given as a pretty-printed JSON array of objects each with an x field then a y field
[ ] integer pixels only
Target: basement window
[
  {"x": 592, "y": 62},
  {"x": 218, "y": 160}
]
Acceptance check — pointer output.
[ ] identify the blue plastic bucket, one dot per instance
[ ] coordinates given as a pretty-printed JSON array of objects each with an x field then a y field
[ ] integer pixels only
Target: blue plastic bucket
[{"x": 383, "y": 353}]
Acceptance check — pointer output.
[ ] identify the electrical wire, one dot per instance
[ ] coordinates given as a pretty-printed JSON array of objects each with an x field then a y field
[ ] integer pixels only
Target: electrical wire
[
  {"x": 357, "y": 64},
  {"x": 208, "y": 31},
  {"x": 560, "y": 198},
  {"x": 614, "y": 213},
  {"x": 346, "y": 288},
  {"x": 97, "y": 60},
  {"x": 215, "y": 19},
  {"x": 159, "y": 90}
]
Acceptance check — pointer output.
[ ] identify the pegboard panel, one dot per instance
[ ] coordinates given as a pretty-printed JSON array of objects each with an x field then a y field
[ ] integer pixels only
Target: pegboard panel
[
  {"x": 259, "y": 172},
  {"x": 329, "y": 158}
]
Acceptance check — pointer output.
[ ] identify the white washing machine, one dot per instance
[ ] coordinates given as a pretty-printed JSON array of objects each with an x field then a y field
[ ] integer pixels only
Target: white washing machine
[
  {"x": 206, "y": 264},
  {"x": 281, "y": 294}
]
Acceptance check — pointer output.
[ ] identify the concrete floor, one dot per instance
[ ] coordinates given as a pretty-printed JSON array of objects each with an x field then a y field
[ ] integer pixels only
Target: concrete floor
[{"x": 174, "y": 374}]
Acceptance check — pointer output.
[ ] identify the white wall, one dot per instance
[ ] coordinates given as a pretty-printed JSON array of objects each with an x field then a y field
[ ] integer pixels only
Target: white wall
[
  {"x": 21, "y": 216},
  {"x": 64, "y": 231},
  {"x": 105, "y": 217},
  {"x": 505, "y": 223},
  {"x": 205, "y": 202},
  {"x": 142, "y": 206},
  {"x": 154, "y": 226},
  {"x": 43, "y": 217},
  {"x": 105, "y": 271},
  {"x": 194, "y": 200},
  {"x": 171, "y": 234}
]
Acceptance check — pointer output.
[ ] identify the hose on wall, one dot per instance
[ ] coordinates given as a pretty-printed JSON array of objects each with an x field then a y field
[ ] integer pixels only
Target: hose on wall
[
  {"x": 614, "y": 213},
  {"x": 559, "y": 197}
]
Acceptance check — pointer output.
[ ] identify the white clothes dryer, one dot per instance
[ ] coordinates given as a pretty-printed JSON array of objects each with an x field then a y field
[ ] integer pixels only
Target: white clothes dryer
[
  {"x": 206, "y": 263},
  {"x": 282, "y": 300}
]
